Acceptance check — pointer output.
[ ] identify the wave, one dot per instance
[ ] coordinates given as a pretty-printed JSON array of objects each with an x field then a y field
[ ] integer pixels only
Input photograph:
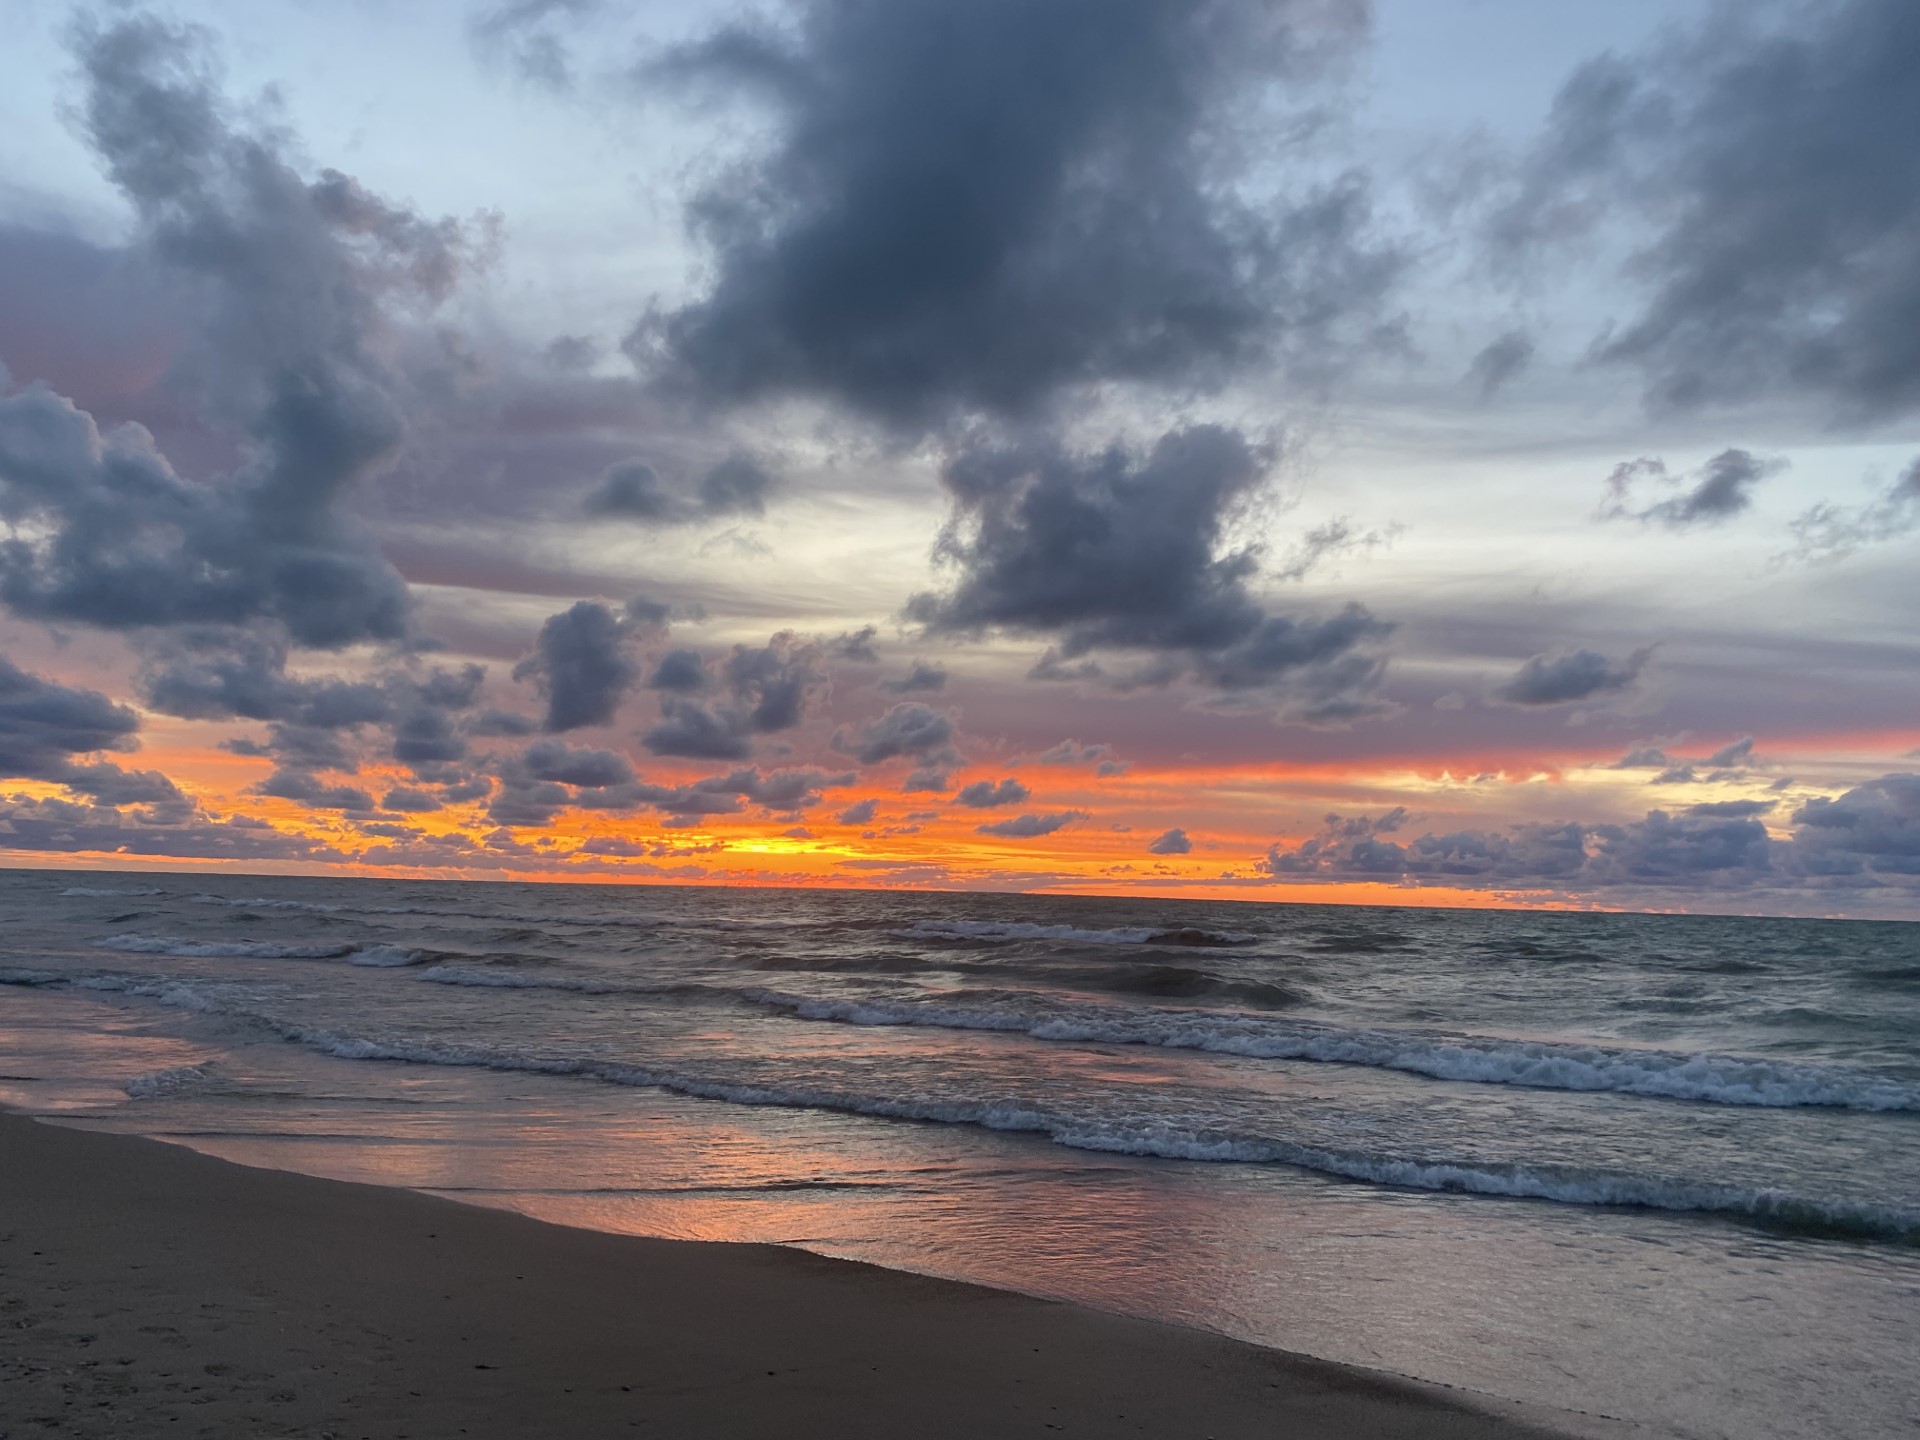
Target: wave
[
  {"x": 991, "y": 930},
  {"x": 378, "y": 956},
  {"x": 92, "y": 892},
  {"x": 505, "y": 979},
  {"x": 1142, "y": 1136},
  {"x": 1486, "y": 1060},
  {"x": 158, "y": 1084}
]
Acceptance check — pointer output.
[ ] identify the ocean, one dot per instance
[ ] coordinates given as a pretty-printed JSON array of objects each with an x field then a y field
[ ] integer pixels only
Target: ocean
[{"x": 1652, "y": 1167}]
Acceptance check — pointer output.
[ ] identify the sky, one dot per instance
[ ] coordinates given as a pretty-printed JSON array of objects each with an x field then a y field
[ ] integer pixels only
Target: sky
[{"x": 1442, "y": 452}]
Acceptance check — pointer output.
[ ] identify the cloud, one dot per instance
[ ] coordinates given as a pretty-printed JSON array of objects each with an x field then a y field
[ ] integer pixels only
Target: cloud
[
  {"x": 1172, "y": 842},
  {"x": 1571, "y": 677},
  {"x": 61, "y": 827},
  {"x": 1704, "y": 850},
  {"x": 861, "y": 812},
  {"x": 295, "y": 278},
  {"x": 1829, "y": 532},
  {"x": 1500, "y": 361},
  {"x": 986, "y": 795},
  {"x": 921, "y": 679},
  {"x": 756, "y": 690},
  {"x": 306, "y": 788},
  {"x": 907, "y": 730},
  {"x": 1113, "y": 551},
  {"x": 45, "y": 725},
  {"x": 1717, "y": 491},
  {"x": 581, "y": 663},
  {"x": 523, "y": 35},
  {"x": 931, "y": 229},
  {"x": 1779, "y": 204},
  {"x": 1870, "y": 833},
  {"x": 1029, "y": 827},
  {"x": 634, "y": 490}
]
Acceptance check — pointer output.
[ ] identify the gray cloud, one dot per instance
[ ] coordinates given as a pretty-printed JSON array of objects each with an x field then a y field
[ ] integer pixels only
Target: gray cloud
[
  {"x": 1870, "y": 833},
  {"x": 1571, "y": 677},
  {"x": 1866, "y": 838},
  {"x": 1829, "y": 532},
  {"x": 933, "y": 229},
  {"x": 861, "y": 812},
  {"x": 524, "y": 35},
  {"x": 986, "y": 795},
  {"x": 633, "y": 489},
  {"x": 293, "y": 276},
  {"x": 1030, "y": 827},
  {"x": 1718, "y": 490},
  {"x": 1172, "y": 842},
  {"x": 755, "y": 690},
  {"x": 582, "y": 664},
  {"x": 922, "y": 679},
  {"x": 907, "y": 730},
  {"x": 1111, "y": 551},
  {"x": 1500, "y": 361},
  {"x": 65, "y": 828},
  {"x": 1781, "y": 199},
  {"x": 44, "y": 724}
]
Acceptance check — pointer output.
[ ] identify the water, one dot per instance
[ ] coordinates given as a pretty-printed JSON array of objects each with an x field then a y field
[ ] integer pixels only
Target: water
[{"x": 1653, "y": 1167}]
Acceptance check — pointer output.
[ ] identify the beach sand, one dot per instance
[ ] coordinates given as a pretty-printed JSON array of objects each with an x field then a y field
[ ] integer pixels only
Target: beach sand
[{"x": 146, "y": 1290}]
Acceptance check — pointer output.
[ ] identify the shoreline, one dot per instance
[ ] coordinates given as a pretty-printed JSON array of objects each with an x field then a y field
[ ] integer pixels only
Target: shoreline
[{"x": 144, "y": 1284}]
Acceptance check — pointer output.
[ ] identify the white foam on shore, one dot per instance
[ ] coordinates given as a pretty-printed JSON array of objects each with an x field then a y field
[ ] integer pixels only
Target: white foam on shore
[{"x": 158, "y": 1084}]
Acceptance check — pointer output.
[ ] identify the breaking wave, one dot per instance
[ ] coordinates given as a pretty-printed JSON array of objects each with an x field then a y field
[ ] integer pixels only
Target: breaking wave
[{"x": 378, "y": 956}]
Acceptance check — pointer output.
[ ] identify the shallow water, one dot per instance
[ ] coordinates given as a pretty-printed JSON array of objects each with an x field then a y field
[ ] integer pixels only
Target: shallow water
[{"x": 1655, "y": 1167}]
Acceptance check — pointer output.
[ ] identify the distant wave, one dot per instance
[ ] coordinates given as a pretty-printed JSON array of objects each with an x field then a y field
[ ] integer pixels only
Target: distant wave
[
  {"x": 1486, "y": 1060},
  {"x": 989, "y": 930},
  {"x": 379, "y": 956},
  {"x": 99, "y": 893}
]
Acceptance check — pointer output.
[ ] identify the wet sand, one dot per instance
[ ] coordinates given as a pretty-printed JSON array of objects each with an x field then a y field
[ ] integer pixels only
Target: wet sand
[{"x": 147, "y": 1290}]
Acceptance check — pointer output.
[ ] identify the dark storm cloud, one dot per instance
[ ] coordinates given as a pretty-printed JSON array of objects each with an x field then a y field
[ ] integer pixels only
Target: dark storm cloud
[
  {"x": 1499, "y": 362},
  {"x": 1769, "y": 154},
  {"x": 293, "y": 276},
  {"x": 582, "y": 663},
  {"x": 1718, "y": 490},
  {"x": 1031, "y": 827},
  {"x": 1569, "y": 678},
  {"x": 1113, "y": 551},
  {"x": 1172, "y": 842},
  {"x": 634, "y": 490},
  {"x": 1832, "y": 532},
  {"x": 751, "y": 691},
  {"x": 939, "y": 226},
  {"x": 986, "y": 795}
]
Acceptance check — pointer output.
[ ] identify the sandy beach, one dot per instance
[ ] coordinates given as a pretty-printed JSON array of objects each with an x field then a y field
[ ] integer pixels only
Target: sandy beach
[{"x": 148, "y": 1290}]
